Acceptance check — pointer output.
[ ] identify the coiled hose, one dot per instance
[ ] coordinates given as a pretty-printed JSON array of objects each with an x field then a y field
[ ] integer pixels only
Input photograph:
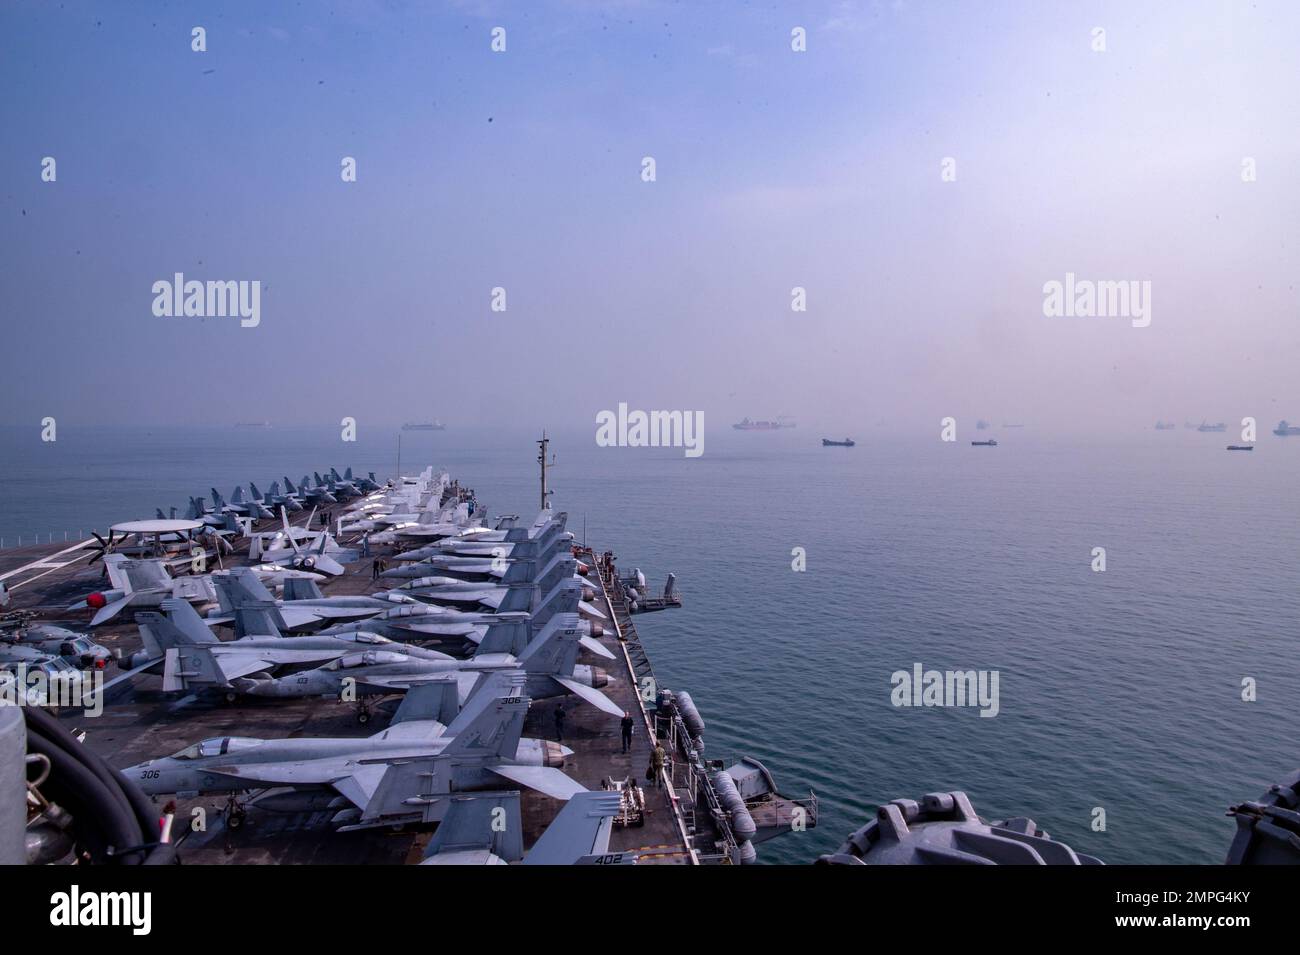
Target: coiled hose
[{"x": 113, "y": 821}]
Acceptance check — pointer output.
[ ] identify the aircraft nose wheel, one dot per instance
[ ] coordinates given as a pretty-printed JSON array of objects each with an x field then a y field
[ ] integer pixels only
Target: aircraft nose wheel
[
  {"x": 235, "y": 814},
  {"x": 363, "y": 713}
]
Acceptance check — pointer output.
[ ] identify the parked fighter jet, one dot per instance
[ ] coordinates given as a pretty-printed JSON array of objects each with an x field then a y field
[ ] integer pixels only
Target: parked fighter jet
[
  {"x": 322, "y": 556},
  {"x": 140, "y": 584},
  {"x": 188, "y": 655},
  {"x": 450, "y": 590},
  {"x": 434, "y": 524},
  {"x": 305, "y": 607},
  {"x": 549, "y": 662},
  {"x": 238, "y": 505},
  {"x": 514, "y": 542},
  {"x": 405, "y": 773},
  {"x": 274, "y": 500},
  {"x": 486, "y": 829},
  {"x": 310, "y": 495}
]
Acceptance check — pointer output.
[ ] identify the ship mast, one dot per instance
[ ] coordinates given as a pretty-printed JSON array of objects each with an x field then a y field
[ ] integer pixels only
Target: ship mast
[{"x": 542, "y": 447}]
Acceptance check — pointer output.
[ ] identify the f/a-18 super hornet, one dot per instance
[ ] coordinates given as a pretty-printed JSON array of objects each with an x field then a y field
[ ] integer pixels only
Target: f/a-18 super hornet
[
  {"x": 514, "y": 542},
  {"x": 238, "y": 506},
  {"x": 486, "y": 829},
  {"x": 548, "y": 661},
  {"x": 435, "y": 523},
  {"x": 309, "y": 495},
  {"x": 448, "y": 590},
  {"x": 323, "y": 555},
  {"x": 406, "y": 773},
  {"x": 180, "y": 647},
  {"x": 274, "y": 499},
  {"x": 394, "y": 615},
  {"x": 304, "y": 607}
]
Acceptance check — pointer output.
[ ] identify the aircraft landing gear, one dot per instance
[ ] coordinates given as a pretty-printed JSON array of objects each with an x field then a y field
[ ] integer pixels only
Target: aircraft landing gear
[
  {"x": 235, "y": 813},
  {"x": 363, "y": 712}
]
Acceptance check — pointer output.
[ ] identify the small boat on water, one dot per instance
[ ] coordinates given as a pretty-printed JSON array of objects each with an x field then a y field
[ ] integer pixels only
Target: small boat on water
[
  {"x": 846, "y": 443},
  {"x": 990, "y": 443},
  {"x": 1241, "y": 447},
  {"x": 1284, "y": 430}
]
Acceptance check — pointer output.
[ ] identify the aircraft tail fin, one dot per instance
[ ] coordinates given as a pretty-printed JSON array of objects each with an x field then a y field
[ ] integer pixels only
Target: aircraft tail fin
[
  {"x": 197, "y": 665},
  {"x": 492, "y": 722},
  {"x": 259, "y": 618},
  {"x": 218, "y": 502},
  {"x": 519, "y": 572},
  {"x": 580, "y": 831},
  {"x": 564, "y": 597},
  {"x": 554, "y": 650},
  {"x": 178, "y": 625},
  {"x": 301, "y": 588},
  {"x": 489, "y": 821},
  {"x": 519, "y": 598},
  {"x": 256, "y": 494},
  {"x": 436, "y": 700},
  {"x": 511, "y": 638},
  {"x": 561, "y": 567}
]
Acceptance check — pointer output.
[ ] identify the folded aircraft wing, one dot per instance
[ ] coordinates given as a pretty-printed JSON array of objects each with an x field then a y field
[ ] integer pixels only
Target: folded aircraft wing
[
  {"x": 590, "y": 694},
  {"x": 545, "y": 779}
]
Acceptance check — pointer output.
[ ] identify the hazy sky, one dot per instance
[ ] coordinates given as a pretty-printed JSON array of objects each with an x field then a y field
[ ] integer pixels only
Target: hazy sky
[{"x": 775, "y": 169}]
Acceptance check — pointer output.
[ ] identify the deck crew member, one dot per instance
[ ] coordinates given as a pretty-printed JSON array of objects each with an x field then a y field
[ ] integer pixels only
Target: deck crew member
[
  {"x": 627, "y": 731},
  {"x": 657, "y": 759}
]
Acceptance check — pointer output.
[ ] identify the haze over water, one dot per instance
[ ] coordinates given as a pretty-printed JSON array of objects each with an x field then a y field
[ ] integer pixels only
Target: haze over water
[{"x": 1119, "y": 689}]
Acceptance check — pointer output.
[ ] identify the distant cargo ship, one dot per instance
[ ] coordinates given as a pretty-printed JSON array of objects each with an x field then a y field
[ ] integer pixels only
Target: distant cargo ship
[
  {"x": 981, "y": 425},
  {"x": 1165, "y": 426},
  {"x": 1283, "y": 429},
  {"x": 990, "y": 443},
  {"x": 424, "y": 426},
  {"x": 846, "y": 443},
  {"x": 747, "y": 425},
  {"x": 1241, "y": 447},
  {"x": 1212, "y": 427},
  {"x": 252, "y": 424}
]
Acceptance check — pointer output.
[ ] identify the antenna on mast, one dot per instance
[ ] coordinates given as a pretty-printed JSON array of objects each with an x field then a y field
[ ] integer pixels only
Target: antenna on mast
[{"x": 542, "y": 447}]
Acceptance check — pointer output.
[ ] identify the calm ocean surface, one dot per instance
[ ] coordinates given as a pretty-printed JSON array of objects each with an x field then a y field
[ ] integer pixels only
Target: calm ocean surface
[{"x": 1119, "y": 690}]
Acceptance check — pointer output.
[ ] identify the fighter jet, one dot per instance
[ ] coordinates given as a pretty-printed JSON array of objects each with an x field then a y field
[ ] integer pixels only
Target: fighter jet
[
  {"x": 514, "y": 542},
  {"x": 188, "y": 656},
  {"x": 141, "y": 584},
  {"x": 322, "y": 556},
  {"x": 274, "y": 500},
  {"x": 406, "y": 773},
  {"x": 305, "y": 607},
  {"x": 434, "y": 524},
  {"x": 238, "y": 505},
  {"x": 310, "y": 495},
  {"x": 549, "y": 661},
  {"x": 486, "y": 829},
  {"x": 448, "y": 590}
]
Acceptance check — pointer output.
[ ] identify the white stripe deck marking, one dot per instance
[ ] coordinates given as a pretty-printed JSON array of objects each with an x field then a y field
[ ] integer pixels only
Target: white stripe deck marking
[{"x": 46, "y": 563}]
